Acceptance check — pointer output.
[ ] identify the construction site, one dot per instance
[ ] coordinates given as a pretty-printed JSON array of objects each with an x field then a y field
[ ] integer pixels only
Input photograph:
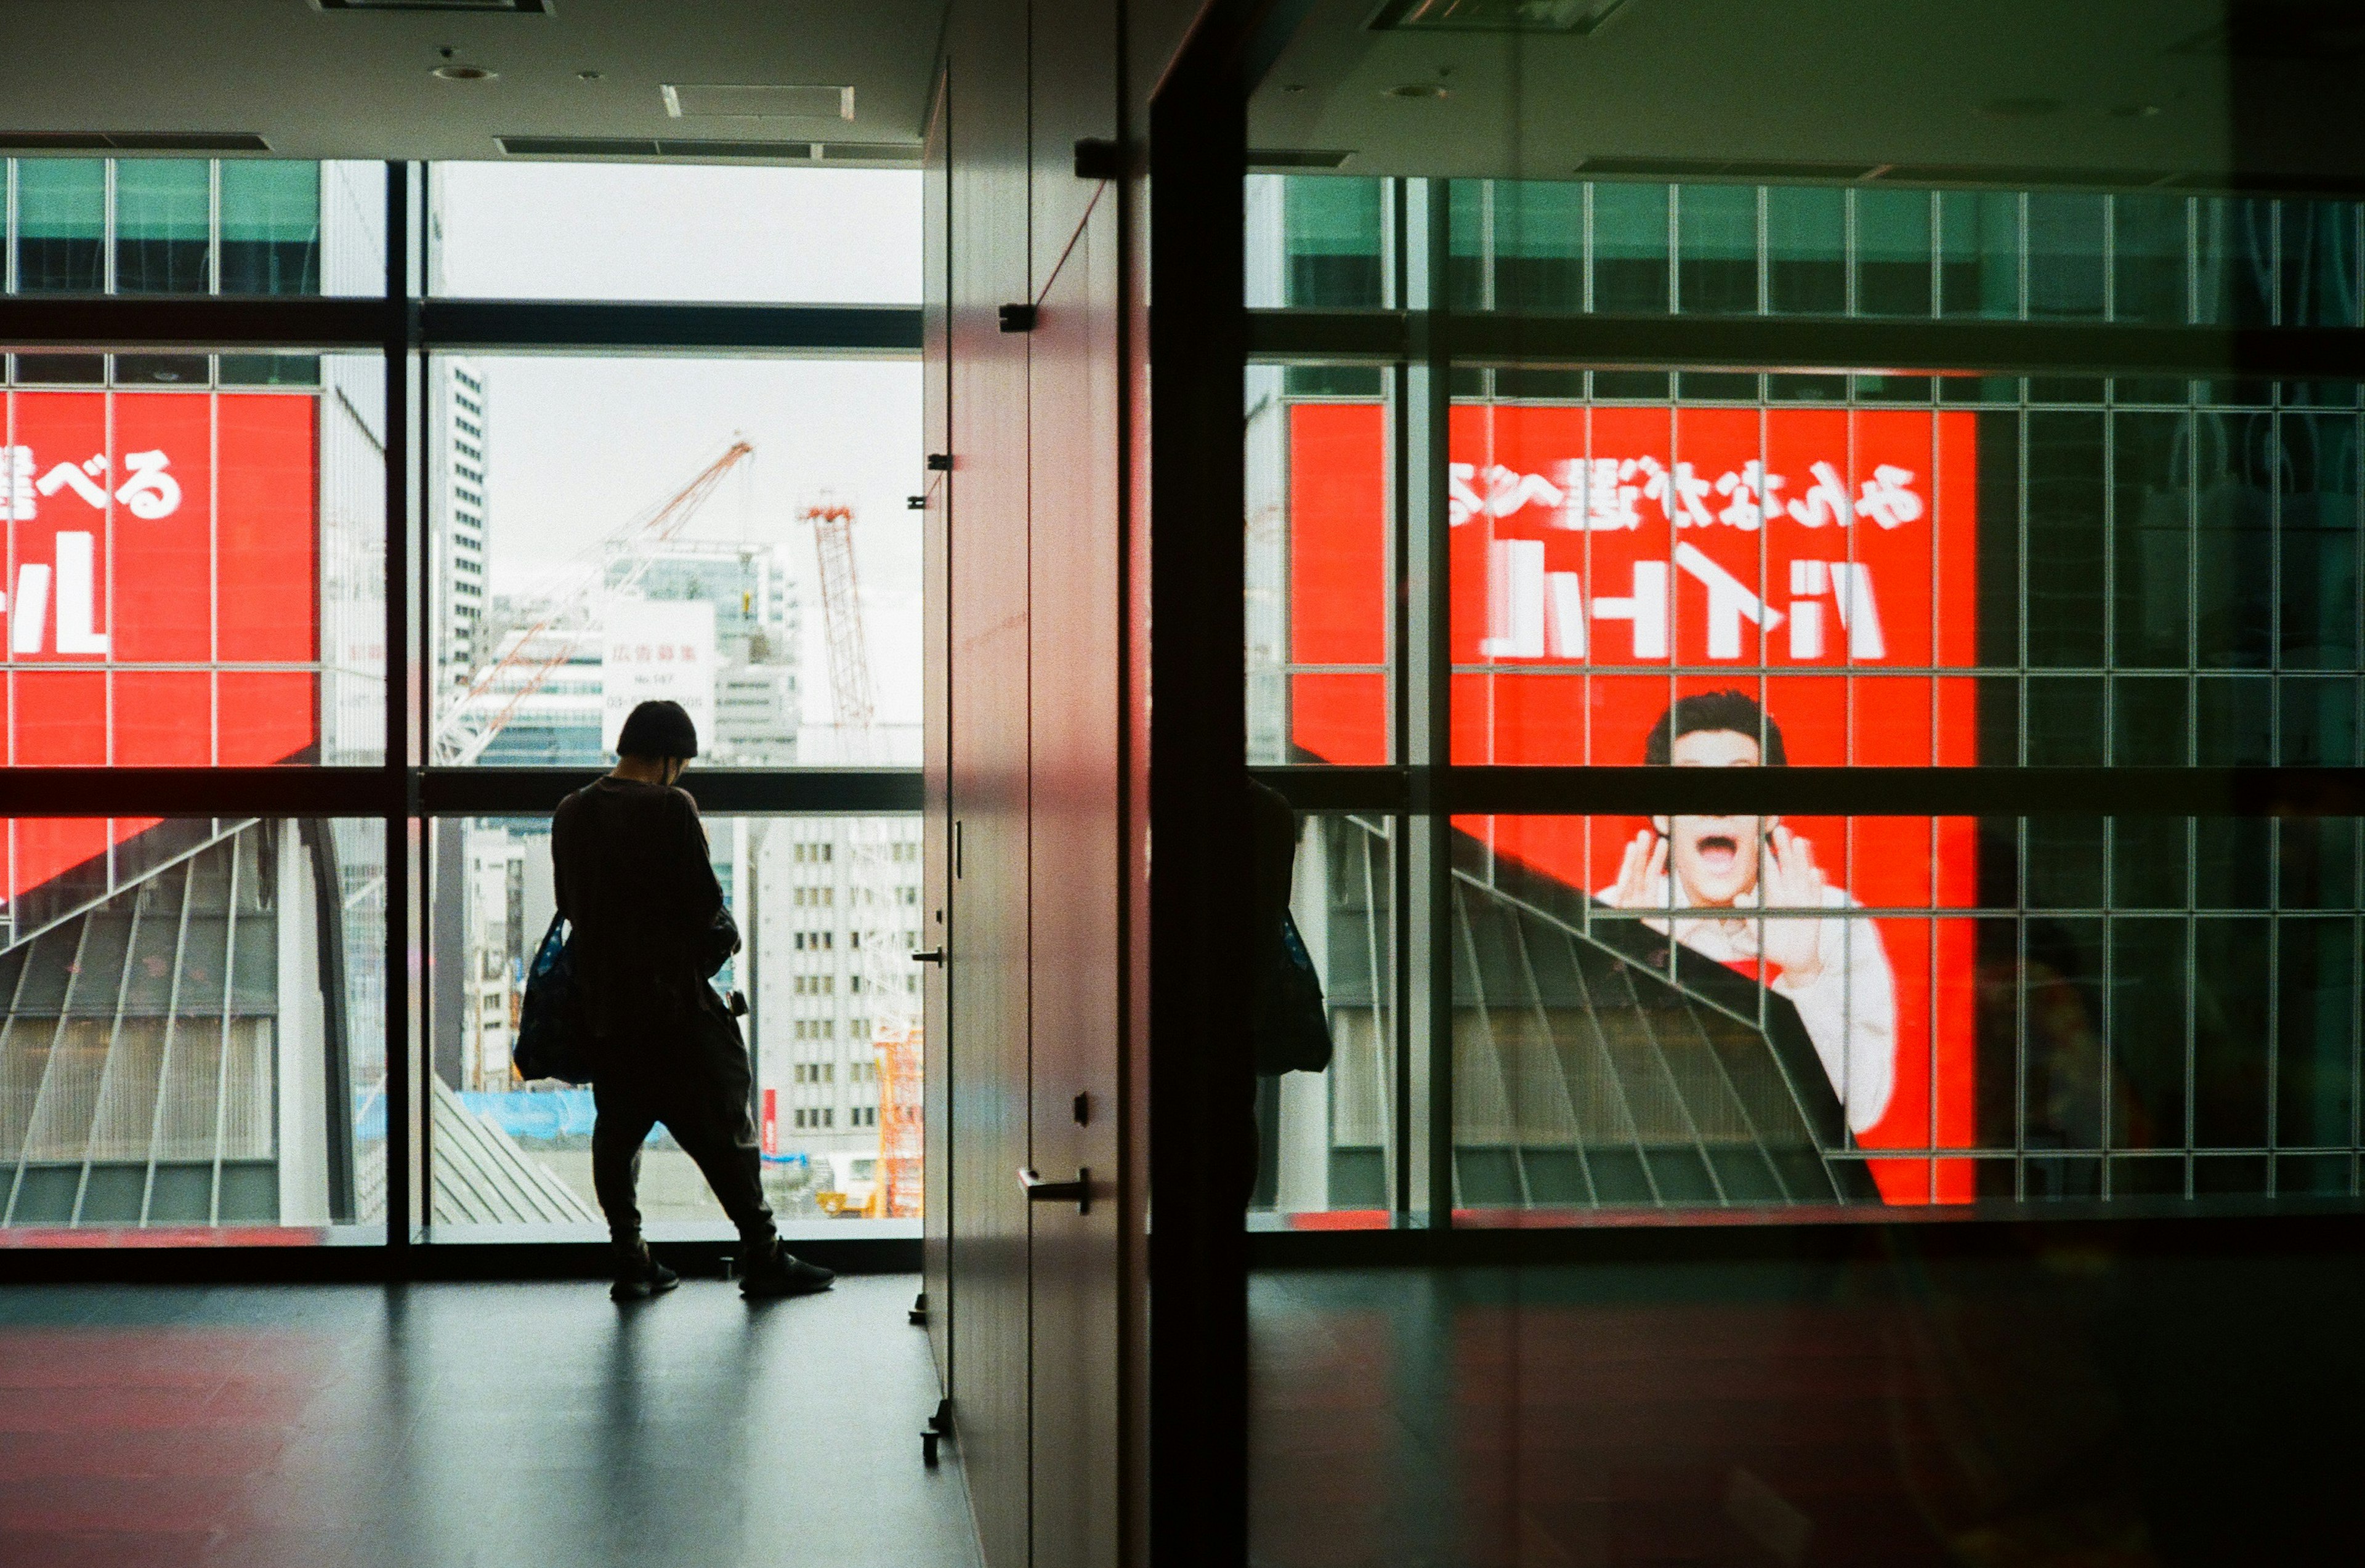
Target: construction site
[{"x": 828, "y": 905}]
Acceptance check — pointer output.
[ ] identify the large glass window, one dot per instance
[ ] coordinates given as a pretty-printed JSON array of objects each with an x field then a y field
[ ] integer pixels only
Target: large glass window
[
  {"x": 196, "y": 226},
  {"x": 163, "y": 224},
  {"x": 828, "y": 910},
  {"x": 1630, "y": 566},
  {"x": 193, "y": 1029},
  {"x": 195, "y": 572},
  {"x": 527, "y": 230},
  {"x": 270, "y": 228},
  {"x": 198, "y": 572},
  {"x": 60, "y": 225},
  {"x": 1333, "y": 1142},
  {"x": 748, "y": 554}
]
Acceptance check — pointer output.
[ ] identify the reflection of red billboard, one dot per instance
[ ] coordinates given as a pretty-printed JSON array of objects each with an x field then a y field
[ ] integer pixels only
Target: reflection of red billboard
[
  {"x": 1607, "y": 562},
  {"x": 159, "y": 546}
]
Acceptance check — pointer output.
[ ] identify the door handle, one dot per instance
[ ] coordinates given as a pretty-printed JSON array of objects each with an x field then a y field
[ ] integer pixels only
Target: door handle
[
  {"x": 1040, "y": 1191},
  {"x": 929, "y": 956}
]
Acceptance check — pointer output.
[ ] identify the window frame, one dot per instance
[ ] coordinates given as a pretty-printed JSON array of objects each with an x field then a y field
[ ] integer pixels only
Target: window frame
[
  {"x": 1417, "y": 345},
  {"x": 403, "y": 326}
]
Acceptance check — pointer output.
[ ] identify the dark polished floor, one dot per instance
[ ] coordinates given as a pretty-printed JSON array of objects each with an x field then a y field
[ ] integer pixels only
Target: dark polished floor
[
  {"x": 353, "y": 1427},
  {"x": 2071, "y": 1409}
]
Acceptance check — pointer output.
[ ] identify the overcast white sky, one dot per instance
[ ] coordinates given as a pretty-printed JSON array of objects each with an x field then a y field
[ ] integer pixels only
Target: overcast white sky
[{"x": 577, "y": 446}]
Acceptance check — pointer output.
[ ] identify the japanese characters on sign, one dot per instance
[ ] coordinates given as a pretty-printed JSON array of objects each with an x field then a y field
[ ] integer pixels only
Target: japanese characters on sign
[
  {"x": 161, "y": 558},
  {"x": 656, "y": 649},
  {"x": 1606, "y": 562}
]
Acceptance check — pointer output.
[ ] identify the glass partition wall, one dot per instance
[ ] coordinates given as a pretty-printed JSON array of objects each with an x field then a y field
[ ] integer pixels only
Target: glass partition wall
[
  {"x": 2019, "y": 625},
  {"x": 269, "y": 913}
]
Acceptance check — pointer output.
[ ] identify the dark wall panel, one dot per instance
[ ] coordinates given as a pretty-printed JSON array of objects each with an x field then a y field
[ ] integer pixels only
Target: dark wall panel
[
  {"x": 1077, "y": 868},
  {"x": 987, "y": 49},
  {"x": 935, "y": 701}
]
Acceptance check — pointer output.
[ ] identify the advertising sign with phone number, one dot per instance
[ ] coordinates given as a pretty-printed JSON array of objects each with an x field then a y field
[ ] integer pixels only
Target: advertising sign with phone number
[{"x": 1811, "y": 571}]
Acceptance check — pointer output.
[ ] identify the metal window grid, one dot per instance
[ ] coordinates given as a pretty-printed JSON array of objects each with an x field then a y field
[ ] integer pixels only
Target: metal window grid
[
  {"x": 1419, "y": 347},
  {"x": 402, "y": 325}
]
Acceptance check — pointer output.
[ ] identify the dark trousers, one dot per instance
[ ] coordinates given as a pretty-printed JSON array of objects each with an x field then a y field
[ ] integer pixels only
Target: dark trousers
[{"x": 700, "y": 1097}]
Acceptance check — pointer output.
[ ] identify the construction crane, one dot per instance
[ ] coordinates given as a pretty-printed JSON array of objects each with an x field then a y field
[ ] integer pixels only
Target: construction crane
[
  {"x": 882, "y": 968},
  {"x": 496, "y": 693},
  {"x": 841, "y": 614}
]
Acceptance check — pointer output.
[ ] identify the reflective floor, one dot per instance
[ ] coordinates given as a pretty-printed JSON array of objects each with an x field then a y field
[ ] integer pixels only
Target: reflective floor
[
  {"x": 2071, "y": 1407},
  {"x": 353, "y": 1427}
]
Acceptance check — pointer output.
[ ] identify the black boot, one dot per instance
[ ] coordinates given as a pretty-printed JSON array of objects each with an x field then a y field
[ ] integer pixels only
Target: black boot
[
  {"x": 775, "y": 1271},
  {"x": 638, "y": 1275}
]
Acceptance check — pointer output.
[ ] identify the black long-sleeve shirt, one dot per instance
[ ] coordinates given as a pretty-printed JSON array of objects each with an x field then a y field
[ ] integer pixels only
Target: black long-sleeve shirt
[{"x": 634, "y": 879}]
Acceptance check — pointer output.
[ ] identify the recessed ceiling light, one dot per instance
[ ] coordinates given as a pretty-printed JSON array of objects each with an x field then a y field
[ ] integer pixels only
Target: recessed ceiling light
[
  {"x": 466, "y": 73},
  {"x": 1416, "y": 90},
  {"x": 588, "y": 75}
]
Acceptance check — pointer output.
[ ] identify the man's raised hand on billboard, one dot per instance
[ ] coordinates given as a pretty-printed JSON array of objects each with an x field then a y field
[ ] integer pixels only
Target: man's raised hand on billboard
[
  {"x": 1791, "y": 881},
  {"x": 1639, "y": 872}
]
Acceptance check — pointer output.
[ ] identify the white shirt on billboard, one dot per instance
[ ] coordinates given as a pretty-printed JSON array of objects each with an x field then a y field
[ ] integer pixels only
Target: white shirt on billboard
[{"x": 1849, "y": 1009}]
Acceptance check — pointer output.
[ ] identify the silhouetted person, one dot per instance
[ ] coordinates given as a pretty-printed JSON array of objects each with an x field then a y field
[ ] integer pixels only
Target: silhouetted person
[{"x": 650, "y": 930}]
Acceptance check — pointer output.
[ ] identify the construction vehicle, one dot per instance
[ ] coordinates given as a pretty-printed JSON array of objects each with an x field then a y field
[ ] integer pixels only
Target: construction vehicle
[{"x": 846, "y": 1186}]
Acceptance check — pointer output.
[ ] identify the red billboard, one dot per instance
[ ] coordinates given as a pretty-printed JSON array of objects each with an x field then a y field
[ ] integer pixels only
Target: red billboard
[
  {"x": 1735, "y": 580},
  {"x": 162, "y": 553}
]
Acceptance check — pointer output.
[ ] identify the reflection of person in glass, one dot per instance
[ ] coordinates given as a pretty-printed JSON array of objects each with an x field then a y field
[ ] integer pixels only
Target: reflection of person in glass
[{"x": 1833, "y": 970}]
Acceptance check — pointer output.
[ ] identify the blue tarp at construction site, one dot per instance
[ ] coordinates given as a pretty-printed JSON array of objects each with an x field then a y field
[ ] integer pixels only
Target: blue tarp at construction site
[
  {"x": 538, "y": 1114},
  {"x": 546, "y": 1114}
]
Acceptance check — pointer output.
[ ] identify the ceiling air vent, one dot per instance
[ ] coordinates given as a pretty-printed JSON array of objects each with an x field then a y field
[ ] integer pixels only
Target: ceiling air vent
[
  {"x": 892, "y": 152},
  {"x": 696, "y": 150},
  {"x": 2020, "y": 176},
  {"x": 211, "y": 142},
  {"x": 1295, "y": 157},
  {"x": 507, "y": 7},
  {"x": 693, "y": 101},
  {"x": 577, "y": 146},
  {"x": 1722, "y": 168},
  {"x": 1578, "y": 17}
]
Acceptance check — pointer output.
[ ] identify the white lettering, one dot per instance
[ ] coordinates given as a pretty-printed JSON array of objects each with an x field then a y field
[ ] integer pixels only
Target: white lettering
[
  {"x": 1515, "y": 599},
  {"x": 1887, "y": 497},
  {"x": 77, "y": 597},
  {"x": 1646, "y": 609},
  {"x": 1859, "y": 611},
  {"x": 1753, "y": 499},
  {"x": 1826, "y": 500},
  {"x": 1564, "y": 620},
  {"x": 151, "y": 492},
  {"x": 66, "y": 474},
  {"x": 1605, "y": 494},
  {"x": 1729, "y": 602},
  {"x": 31, "y": 617},
  {"x": 17, "y": 501}
]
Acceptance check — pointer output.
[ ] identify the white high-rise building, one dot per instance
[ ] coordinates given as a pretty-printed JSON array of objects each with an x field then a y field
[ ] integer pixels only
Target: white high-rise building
[
  {"x": 458, "y": 443},
  {"x": 816, "y": 1002}
]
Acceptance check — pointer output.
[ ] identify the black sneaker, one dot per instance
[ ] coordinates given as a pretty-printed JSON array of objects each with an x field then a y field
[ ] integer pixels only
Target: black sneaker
[
  {"x": 638, "y": 1275},
  {"x": 780, "y": 1272}
]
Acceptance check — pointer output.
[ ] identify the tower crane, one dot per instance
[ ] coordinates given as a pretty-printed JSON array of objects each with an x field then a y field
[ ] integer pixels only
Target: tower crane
[
  {"x": 883, "y": 967},
  {"x": 493, "y": 695}
]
